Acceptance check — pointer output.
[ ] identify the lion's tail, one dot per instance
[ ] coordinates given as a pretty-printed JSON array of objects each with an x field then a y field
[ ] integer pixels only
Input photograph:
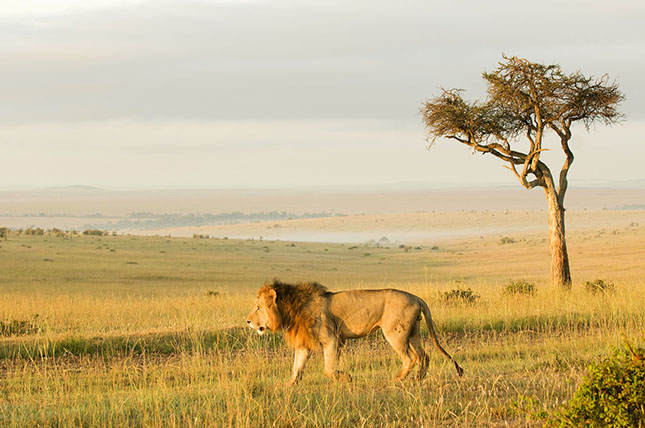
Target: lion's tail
[{"x": 433, "y": 335}]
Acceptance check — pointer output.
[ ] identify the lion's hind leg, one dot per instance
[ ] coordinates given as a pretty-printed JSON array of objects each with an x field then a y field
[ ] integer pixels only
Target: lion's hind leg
[
  {"x": 417, "y": 347},
  {"x": 398, "y": 338}
]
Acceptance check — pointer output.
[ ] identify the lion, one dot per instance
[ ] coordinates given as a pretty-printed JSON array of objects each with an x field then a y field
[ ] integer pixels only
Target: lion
[{"x": 314, "y": 318}]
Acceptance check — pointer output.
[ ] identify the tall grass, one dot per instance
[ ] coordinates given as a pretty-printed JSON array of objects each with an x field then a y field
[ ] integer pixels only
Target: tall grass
[{"x": 132, "y": 337}]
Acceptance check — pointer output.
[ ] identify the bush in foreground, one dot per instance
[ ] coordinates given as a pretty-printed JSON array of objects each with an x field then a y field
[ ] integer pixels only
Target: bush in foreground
[{"x": 612, "y": 395}]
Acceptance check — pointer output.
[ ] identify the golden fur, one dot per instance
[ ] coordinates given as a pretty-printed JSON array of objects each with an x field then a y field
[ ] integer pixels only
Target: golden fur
[
  {"x": 298, "y": 309},
  {"x": 314, "y": 318}
]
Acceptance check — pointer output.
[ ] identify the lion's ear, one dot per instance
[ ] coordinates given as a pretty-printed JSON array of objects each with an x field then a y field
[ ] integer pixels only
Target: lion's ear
[{"x": 272, "y": 296}]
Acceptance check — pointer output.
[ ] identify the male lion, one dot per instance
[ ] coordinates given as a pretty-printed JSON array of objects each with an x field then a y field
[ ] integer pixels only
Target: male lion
[{"x": 315, "y": 318}]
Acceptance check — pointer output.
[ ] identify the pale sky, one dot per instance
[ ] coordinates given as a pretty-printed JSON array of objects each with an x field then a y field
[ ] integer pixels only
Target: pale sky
[{"x": 287, "y": 93}]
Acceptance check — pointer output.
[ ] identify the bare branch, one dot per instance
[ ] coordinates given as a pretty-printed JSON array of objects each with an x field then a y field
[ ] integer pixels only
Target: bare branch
[{"x": 523, "y": 181}]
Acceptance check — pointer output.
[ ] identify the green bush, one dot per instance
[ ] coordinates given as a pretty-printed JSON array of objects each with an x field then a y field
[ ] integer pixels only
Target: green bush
[
  {"x": 461, "y": 295},
  {"x": 612, "y": 394},
  {"x": 600, "y": 286},
  {"x": 514, "y": 288}
]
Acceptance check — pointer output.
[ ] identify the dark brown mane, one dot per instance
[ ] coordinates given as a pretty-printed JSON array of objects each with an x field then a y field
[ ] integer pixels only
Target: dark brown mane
[{"x": 299, "y": 306}]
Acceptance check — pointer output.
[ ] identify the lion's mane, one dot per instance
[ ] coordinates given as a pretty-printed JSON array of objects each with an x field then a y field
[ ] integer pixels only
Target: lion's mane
[{"x": 300, "y": 310}]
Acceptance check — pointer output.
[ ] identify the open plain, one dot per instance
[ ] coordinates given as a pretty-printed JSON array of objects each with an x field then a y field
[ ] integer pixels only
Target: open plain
[{"x": 148, "y": 331}]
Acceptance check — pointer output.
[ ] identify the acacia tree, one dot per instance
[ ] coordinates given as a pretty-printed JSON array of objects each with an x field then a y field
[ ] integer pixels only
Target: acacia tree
[{"x": 525, "y": 101}]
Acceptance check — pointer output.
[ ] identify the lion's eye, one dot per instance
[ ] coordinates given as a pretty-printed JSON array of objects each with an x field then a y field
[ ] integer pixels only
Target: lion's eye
[{"x": 257, "y": 309}]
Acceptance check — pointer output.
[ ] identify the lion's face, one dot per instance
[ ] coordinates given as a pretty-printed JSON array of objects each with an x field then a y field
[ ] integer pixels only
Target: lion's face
[{"x": 264, "y": 314}]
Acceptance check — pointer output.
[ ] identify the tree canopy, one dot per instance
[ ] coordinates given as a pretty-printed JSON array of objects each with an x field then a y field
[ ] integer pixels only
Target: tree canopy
[{"x": 524, "y": 99}]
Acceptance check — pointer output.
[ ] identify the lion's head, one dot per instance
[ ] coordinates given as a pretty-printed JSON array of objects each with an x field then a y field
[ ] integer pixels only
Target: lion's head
[{"x": 265, "y": 312}]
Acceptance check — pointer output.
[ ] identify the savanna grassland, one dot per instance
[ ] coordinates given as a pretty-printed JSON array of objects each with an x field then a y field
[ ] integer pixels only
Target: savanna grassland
[{"x": 132, "y": 331}]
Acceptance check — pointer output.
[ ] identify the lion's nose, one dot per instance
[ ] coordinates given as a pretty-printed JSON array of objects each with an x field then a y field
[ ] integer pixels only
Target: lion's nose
[
  {"x": 248, "y": 321},
  {"x": 261, "y": 328}
]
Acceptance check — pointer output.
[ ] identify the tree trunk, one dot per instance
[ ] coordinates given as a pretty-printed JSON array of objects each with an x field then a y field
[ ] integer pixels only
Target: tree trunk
[{"x": 560, "y": 273}]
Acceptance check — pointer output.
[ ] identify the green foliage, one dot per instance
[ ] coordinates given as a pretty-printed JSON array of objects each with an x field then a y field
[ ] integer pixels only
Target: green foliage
[
  {"x": 514, "y": 288},
  {"x": 507, "y": 240},
  {"x": 612, "y": 395},
  {"x": 461, "y": 295},
  {"x": 600, "y": 286}
]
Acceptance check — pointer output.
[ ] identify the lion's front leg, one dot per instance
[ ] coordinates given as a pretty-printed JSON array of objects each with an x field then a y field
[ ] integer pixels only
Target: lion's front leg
[
  {"x": 331, "y": 352},
  {"x": 300, "y": 358}
]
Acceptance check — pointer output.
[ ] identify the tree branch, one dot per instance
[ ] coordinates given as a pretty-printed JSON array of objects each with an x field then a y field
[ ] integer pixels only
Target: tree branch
[
  {"x": 523, "y": 181},
  {"x": 563, "y": 182}
]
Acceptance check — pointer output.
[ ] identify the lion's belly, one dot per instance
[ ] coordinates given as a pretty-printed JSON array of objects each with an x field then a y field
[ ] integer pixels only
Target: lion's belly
[
  {"x": 357, "y": 312},
  {"x": 353, "y": 327}
]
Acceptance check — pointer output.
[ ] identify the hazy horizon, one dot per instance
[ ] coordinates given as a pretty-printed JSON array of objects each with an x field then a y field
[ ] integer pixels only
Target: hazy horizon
[
  {"x": 401, "y": 186},
  {"x": 275, "y": 94}
]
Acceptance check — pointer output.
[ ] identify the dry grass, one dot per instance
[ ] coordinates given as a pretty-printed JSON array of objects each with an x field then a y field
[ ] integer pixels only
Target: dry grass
[{"x": 131, "y": 337}]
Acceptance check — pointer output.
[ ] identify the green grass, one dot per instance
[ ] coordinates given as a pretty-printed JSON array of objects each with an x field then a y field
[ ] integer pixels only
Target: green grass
[{"x": 123, "y": 332}]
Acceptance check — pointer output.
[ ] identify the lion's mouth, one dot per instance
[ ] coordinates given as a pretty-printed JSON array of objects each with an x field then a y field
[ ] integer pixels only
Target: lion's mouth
[{"x": 260, "y": 330}]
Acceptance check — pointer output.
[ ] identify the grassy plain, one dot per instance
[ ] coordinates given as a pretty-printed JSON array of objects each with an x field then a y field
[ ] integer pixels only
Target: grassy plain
[{"x": 132, "y": 331}]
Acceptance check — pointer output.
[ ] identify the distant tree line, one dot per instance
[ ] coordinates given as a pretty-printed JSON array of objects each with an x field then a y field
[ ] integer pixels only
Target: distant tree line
[
  {"x": 148, "y": 220},
  {"x": 38, "y": 231}
]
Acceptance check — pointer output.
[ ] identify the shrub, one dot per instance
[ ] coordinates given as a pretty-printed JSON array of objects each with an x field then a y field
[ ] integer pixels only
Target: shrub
[
  {"x": 21, "y": 327},
  {"x": 514, "y": 288},
  {"x": 612, "y": 394},
  {"x": 600, "y": 286},
  {"x": 507, "y": 240},
  {"x": 94, "y": 232},
  {"x": 34, "y": 231},
  {"x": 460, "y": 295}
]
